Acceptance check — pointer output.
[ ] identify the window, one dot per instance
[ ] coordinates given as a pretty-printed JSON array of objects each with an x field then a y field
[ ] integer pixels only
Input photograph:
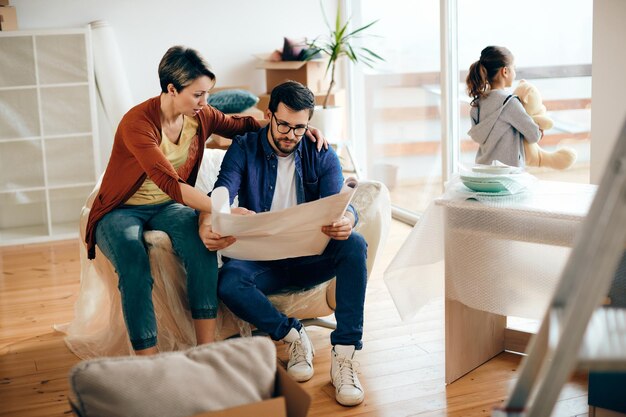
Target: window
[
  {"x": 401, "y": 118},
  {"x": 399, "y": 133},
  {"x": 552, "y": 50}
]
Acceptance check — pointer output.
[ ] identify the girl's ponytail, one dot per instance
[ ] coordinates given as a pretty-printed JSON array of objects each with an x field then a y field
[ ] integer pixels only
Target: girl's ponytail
[
  {"x": 476, "y": 82},
  {"x": 483, "y": 71}
]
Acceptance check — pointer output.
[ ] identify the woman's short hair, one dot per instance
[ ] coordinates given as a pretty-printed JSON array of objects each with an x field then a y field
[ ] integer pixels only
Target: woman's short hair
[{"x": 181, "y": 66}]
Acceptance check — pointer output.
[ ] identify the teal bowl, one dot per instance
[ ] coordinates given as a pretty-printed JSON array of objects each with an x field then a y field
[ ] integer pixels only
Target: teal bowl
[{"x": 485, "y": 187}]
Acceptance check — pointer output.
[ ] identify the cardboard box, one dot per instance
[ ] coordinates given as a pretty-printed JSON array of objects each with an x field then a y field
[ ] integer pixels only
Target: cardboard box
[
  {"x": 290, "y": 400},
  {"x": 337, "y": 98},
  {"x": 4, "y": 2},
  {"x": 8, "y": 18},
  {"x": 216, "y": 141},
  {"x": 310, "y": 73}
]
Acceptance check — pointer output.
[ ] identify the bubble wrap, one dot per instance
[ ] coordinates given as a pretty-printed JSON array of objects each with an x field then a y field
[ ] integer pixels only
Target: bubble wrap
[
  {"x": 503, "y": 253},
  {"x": 98, "y": 327}
]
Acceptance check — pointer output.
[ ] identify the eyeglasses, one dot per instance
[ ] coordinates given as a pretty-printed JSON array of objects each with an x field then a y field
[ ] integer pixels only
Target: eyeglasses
[{"x": 285, "y": 128}]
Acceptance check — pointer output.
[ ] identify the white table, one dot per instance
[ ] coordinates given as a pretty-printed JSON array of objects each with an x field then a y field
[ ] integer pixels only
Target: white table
[{"x": 492, "y": 258}]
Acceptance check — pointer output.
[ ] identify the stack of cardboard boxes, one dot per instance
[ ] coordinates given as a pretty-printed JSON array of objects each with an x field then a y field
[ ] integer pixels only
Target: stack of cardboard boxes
[
  {"x": 309, "y": 73},
  {"x": 8, "y": 17}
]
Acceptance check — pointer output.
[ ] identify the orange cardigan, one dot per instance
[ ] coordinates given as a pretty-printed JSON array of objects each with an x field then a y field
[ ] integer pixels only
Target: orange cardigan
[{"x": 136, "y": 155}]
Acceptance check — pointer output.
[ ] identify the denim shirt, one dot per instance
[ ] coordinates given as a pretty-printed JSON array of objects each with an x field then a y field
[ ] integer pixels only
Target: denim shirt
[{"x": 250, "y": 167}]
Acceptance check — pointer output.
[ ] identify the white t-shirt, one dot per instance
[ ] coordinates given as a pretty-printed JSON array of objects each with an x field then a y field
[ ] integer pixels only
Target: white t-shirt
[{"x": 285, "y": 187}]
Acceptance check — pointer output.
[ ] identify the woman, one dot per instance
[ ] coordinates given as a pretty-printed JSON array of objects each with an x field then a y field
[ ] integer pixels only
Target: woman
[
  {"x": 499, "y": 121},
  {"x": 148, "y": 185}
]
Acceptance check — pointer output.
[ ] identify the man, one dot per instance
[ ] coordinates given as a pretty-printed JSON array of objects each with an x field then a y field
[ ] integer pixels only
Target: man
[{"x": 274, "y": 169}]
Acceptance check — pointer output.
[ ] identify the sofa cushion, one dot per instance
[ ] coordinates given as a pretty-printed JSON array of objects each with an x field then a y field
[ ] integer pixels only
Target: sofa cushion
[
  {"x": 177, "y": 384},
  {"x": 298, "y": 50},
  {"x": 232, "y": 101}
]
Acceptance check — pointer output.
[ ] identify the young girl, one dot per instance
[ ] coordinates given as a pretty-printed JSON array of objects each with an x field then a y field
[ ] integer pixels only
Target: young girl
[{"x": 499, "y": 121}]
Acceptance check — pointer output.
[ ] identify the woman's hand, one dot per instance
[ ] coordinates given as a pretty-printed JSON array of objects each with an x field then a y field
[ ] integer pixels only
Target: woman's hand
[
  {"x": 212, "y": 241},
  {"x": 241, "y": 211},
  {"x": 316, "y": 135}
]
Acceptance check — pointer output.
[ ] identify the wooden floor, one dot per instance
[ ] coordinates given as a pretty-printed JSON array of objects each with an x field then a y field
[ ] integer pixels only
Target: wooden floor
[{"x": 402, "y": 365}]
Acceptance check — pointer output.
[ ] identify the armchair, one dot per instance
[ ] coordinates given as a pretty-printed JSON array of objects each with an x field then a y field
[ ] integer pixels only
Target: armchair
[{"x": 98, "y": 327}]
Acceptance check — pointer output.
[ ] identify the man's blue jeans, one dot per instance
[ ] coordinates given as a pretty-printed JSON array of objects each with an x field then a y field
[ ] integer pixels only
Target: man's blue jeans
[
  {"x": 244, "y": 285},
  {"x": 119, "y": 235}
]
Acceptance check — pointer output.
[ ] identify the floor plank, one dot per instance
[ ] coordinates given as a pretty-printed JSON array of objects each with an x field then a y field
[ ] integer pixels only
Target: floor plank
[{"x": 402, "y": 364}]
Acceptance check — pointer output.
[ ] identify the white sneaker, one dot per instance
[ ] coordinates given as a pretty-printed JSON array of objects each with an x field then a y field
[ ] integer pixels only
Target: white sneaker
[
  {"x": 343, "y": 374},
  {"x": 300, "y": 366}
]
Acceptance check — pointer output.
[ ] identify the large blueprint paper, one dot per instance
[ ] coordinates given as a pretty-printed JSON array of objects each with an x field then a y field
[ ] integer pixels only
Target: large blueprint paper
[{"x": 288, "y": 233}]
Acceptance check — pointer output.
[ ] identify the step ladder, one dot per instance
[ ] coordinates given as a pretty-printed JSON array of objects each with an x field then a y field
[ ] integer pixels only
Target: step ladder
[{"x": 576, "y": 332}]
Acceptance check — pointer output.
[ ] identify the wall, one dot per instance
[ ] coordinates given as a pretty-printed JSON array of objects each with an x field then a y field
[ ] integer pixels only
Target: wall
[
  {"x": 608, "y": 82},
  {"x": 228, "y": 33}
]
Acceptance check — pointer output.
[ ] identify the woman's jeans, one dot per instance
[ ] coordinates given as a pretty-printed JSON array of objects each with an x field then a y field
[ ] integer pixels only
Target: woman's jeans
[
  {"x": 245, "y": 285},
  {"x": 119, "y": 235}
]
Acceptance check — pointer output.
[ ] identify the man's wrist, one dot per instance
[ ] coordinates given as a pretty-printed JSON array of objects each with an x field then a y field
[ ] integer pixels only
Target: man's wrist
[{"x": 350, "y": 218}]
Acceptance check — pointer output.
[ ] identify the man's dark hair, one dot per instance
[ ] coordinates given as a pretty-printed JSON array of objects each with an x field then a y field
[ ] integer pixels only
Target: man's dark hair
[
  {"x": 293, "y": 95},
  {"x": 181, "y": 66}
]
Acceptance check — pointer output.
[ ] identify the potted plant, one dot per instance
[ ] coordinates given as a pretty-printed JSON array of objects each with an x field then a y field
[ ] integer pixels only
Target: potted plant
[{"x": 337, "y": 44}]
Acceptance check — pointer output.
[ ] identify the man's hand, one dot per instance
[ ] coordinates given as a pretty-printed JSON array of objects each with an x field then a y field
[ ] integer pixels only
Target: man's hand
[
  {"x": 316, "y": 135},
  {"x": 212, "y": 241},
  {"x": 340, "y": 230}
]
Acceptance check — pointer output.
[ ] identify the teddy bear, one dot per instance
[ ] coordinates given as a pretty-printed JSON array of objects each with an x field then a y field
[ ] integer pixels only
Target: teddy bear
[{"x": 562, "y": 158}]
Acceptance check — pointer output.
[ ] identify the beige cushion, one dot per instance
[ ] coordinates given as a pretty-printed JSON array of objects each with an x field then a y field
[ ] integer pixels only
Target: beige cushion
[{"x": 176, "y": 384}]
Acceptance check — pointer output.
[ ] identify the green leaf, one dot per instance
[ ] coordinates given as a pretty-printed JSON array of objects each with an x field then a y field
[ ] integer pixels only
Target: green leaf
[
  {"x": 372, "y": 53},
  {"x": 338, "y": 18},
  {"x": 336, "y": 43},
  {"x": 351, "y": 54},
  {"x": 362, "y": 28}
]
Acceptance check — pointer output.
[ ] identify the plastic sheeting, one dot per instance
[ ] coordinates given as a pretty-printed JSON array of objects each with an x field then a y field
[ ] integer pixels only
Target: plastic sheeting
[
  {"x": 111, "y": 79},
  {"x": 98, "y": 327},
  {"x": 501, "y": 254}
]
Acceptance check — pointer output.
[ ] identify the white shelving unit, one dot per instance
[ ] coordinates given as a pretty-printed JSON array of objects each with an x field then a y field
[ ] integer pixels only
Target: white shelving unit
[{"x": 49, "y": 160}]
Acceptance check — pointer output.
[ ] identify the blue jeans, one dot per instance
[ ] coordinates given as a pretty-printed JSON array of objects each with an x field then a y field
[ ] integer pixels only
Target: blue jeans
[
  {"x": 244, "y": 285},
  {"x": 119, "y": 235}
]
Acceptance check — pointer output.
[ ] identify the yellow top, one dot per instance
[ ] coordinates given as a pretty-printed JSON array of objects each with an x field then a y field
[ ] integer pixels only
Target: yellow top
[{"x": 176, "y": 153}]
